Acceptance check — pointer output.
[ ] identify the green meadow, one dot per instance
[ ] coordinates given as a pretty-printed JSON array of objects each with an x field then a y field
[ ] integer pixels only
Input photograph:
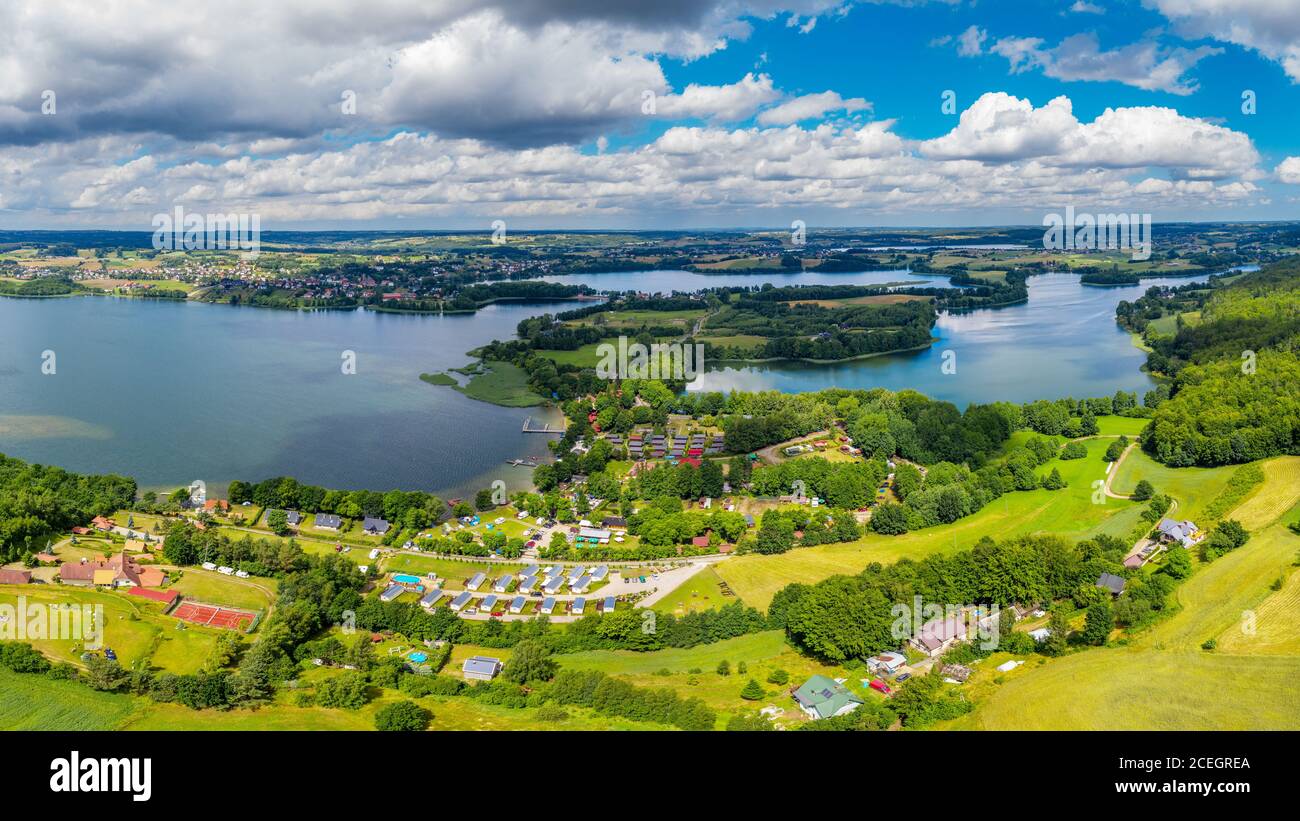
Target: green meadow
[{"x": 1162, "y": 678}]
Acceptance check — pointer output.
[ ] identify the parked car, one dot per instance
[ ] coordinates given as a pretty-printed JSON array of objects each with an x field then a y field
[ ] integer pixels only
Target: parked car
[
  {"x": 879, "y": 684},
  {"x": 902, "y": 677}
]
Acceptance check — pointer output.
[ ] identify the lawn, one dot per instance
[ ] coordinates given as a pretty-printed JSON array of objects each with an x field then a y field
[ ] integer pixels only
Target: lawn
[
  {"x": 1120, "y": 426},
  {"x": 214, "y": 588},
  {"x": 1069, "y": 512},
  {"x": 455, "y": 573},
  {"x": 699, "y": 592}
]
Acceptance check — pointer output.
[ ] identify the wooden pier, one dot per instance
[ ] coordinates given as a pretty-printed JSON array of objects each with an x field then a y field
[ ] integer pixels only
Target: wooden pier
[{"x": 545, "y": 428}]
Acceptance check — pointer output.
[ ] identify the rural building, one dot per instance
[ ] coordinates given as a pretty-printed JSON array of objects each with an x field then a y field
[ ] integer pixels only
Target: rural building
[
  {"x": 608, "y": 606},
  {"x": 327, "y": 521},
  {"x": 1040, "y": 634},
  {"x": 614, "y": 523},
  {"x": 102, "y": 523},
  {"x": 1111, "y": 583},
  {"x": 887, "y": 662},
  {"x": 517, "y": 604},
  {"x": 553, "y": 585},
  {"x": 579, "y": 604},
  {"x": 502, "y": 584},
  {"x": 393, "y": 591},
  {"x": 374, "y": 527},
  {"x": 821, "y": 697},
  {"x": 527, "y": 584},
  {"x": 1183, "y": 533},
  {"x": 428, "y": 600},
  {"x": 458, "y": 603},
  {"x": 598, "y": 535},
  {"x": 488, "y": 603},
  {"x": 580, "y": 585},
  {"x": 15, "y": 577},
  {"x": 548, "y": 605},
  {"x": 476, "y": 581},
  {"x": 481, "y": 668},
  {"x": 599, "y": 574},
  {"x": 938, "y": 635},
  {"x": 119, "y": 571},
  {"x": 293, "y": 517}
]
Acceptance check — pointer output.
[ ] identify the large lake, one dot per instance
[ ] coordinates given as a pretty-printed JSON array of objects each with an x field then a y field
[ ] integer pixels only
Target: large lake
[{"x": 173, "y": 392}]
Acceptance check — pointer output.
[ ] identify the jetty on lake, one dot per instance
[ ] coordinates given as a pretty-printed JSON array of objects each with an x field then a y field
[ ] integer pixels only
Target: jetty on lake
[{"x": 529, "y": 427}]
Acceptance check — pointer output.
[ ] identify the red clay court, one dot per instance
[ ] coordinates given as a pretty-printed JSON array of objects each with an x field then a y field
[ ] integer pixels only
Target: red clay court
[{"x": 211, "y": 615}]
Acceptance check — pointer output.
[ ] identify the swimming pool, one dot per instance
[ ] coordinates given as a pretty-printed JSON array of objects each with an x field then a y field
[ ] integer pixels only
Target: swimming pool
[
  {"x": 404, "y": 578},
  {"x": 419, "y": 657}
]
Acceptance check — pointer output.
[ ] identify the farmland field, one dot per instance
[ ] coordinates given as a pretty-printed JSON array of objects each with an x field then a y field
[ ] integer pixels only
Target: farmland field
[
  {"x": 33, "y": 702},
  {"x": 1279, "y": 493}
]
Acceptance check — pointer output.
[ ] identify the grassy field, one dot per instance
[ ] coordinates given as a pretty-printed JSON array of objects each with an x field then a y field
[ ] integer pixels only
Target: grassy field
[
  {"x": 1279, "y": 493},
  {"x": 700, "y": 592},
  {"x": 1069, "y": 512},
  {"x": 1120, "y": 426},
  {"x": 1194, "y": 488},
  {"x": 635, "y": 319},
  {"x": 1163, "y": 679},
  {"x": 761, "y": 653},
  {"x": 134, "y": 628},
  {"x": 29, "y": 702},
  {"x": 214, "y": 588}
]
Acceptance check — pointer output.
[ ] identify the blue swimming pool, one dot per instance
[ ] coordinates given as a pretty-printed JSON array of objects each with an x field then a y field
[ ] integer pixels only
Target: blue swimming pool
[
  {"x": 404, "y": 578},
  {"x": 419, "y": 657}
]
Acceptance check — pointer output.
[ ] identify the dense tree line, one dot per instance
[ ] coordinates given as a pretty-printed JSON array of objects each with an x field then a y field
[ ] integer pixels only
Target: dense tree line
[
  {"x": 1235, "y": 396},
  {"x": 411, "y": 509},
  {"x": 38, "y": 501}
]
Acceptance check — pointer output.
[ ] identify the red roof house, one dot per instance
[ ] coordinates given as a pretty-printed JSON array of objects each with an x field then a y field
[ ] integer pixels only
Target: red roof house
[
  {"x": 15, "y": 577},
  {"x": 164, "y": 596}
]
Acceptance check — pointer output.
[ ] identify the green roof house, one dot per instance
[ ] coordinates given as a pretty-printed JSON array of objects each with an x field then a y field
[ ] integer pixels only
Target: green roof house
[{"x": 821, "y": 697}]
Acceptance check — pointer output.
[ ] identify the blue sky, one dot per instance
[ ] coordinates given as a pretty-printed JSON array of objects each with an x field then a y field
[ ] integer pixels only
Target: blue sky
[{"x": 532, "y": 111}]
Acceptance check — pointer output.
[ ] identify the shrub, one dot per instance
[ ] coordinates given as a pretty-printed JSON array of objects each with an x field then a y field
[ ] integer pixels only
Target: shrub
[{"x": 403, "y": 716}]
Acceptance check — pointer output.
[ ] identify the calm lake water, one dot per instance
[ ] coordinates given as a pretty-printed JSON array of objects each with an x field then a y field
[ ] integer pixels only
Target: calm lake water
[
  {"x": 1062, "y": 342},
  {"x": 173, "y": 392}
]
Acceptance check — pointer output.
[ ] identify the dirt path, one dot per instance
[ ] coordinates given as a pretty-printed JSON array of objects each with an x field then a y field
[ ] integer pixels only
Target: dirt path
[{"x": 1110, "y": 477}]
